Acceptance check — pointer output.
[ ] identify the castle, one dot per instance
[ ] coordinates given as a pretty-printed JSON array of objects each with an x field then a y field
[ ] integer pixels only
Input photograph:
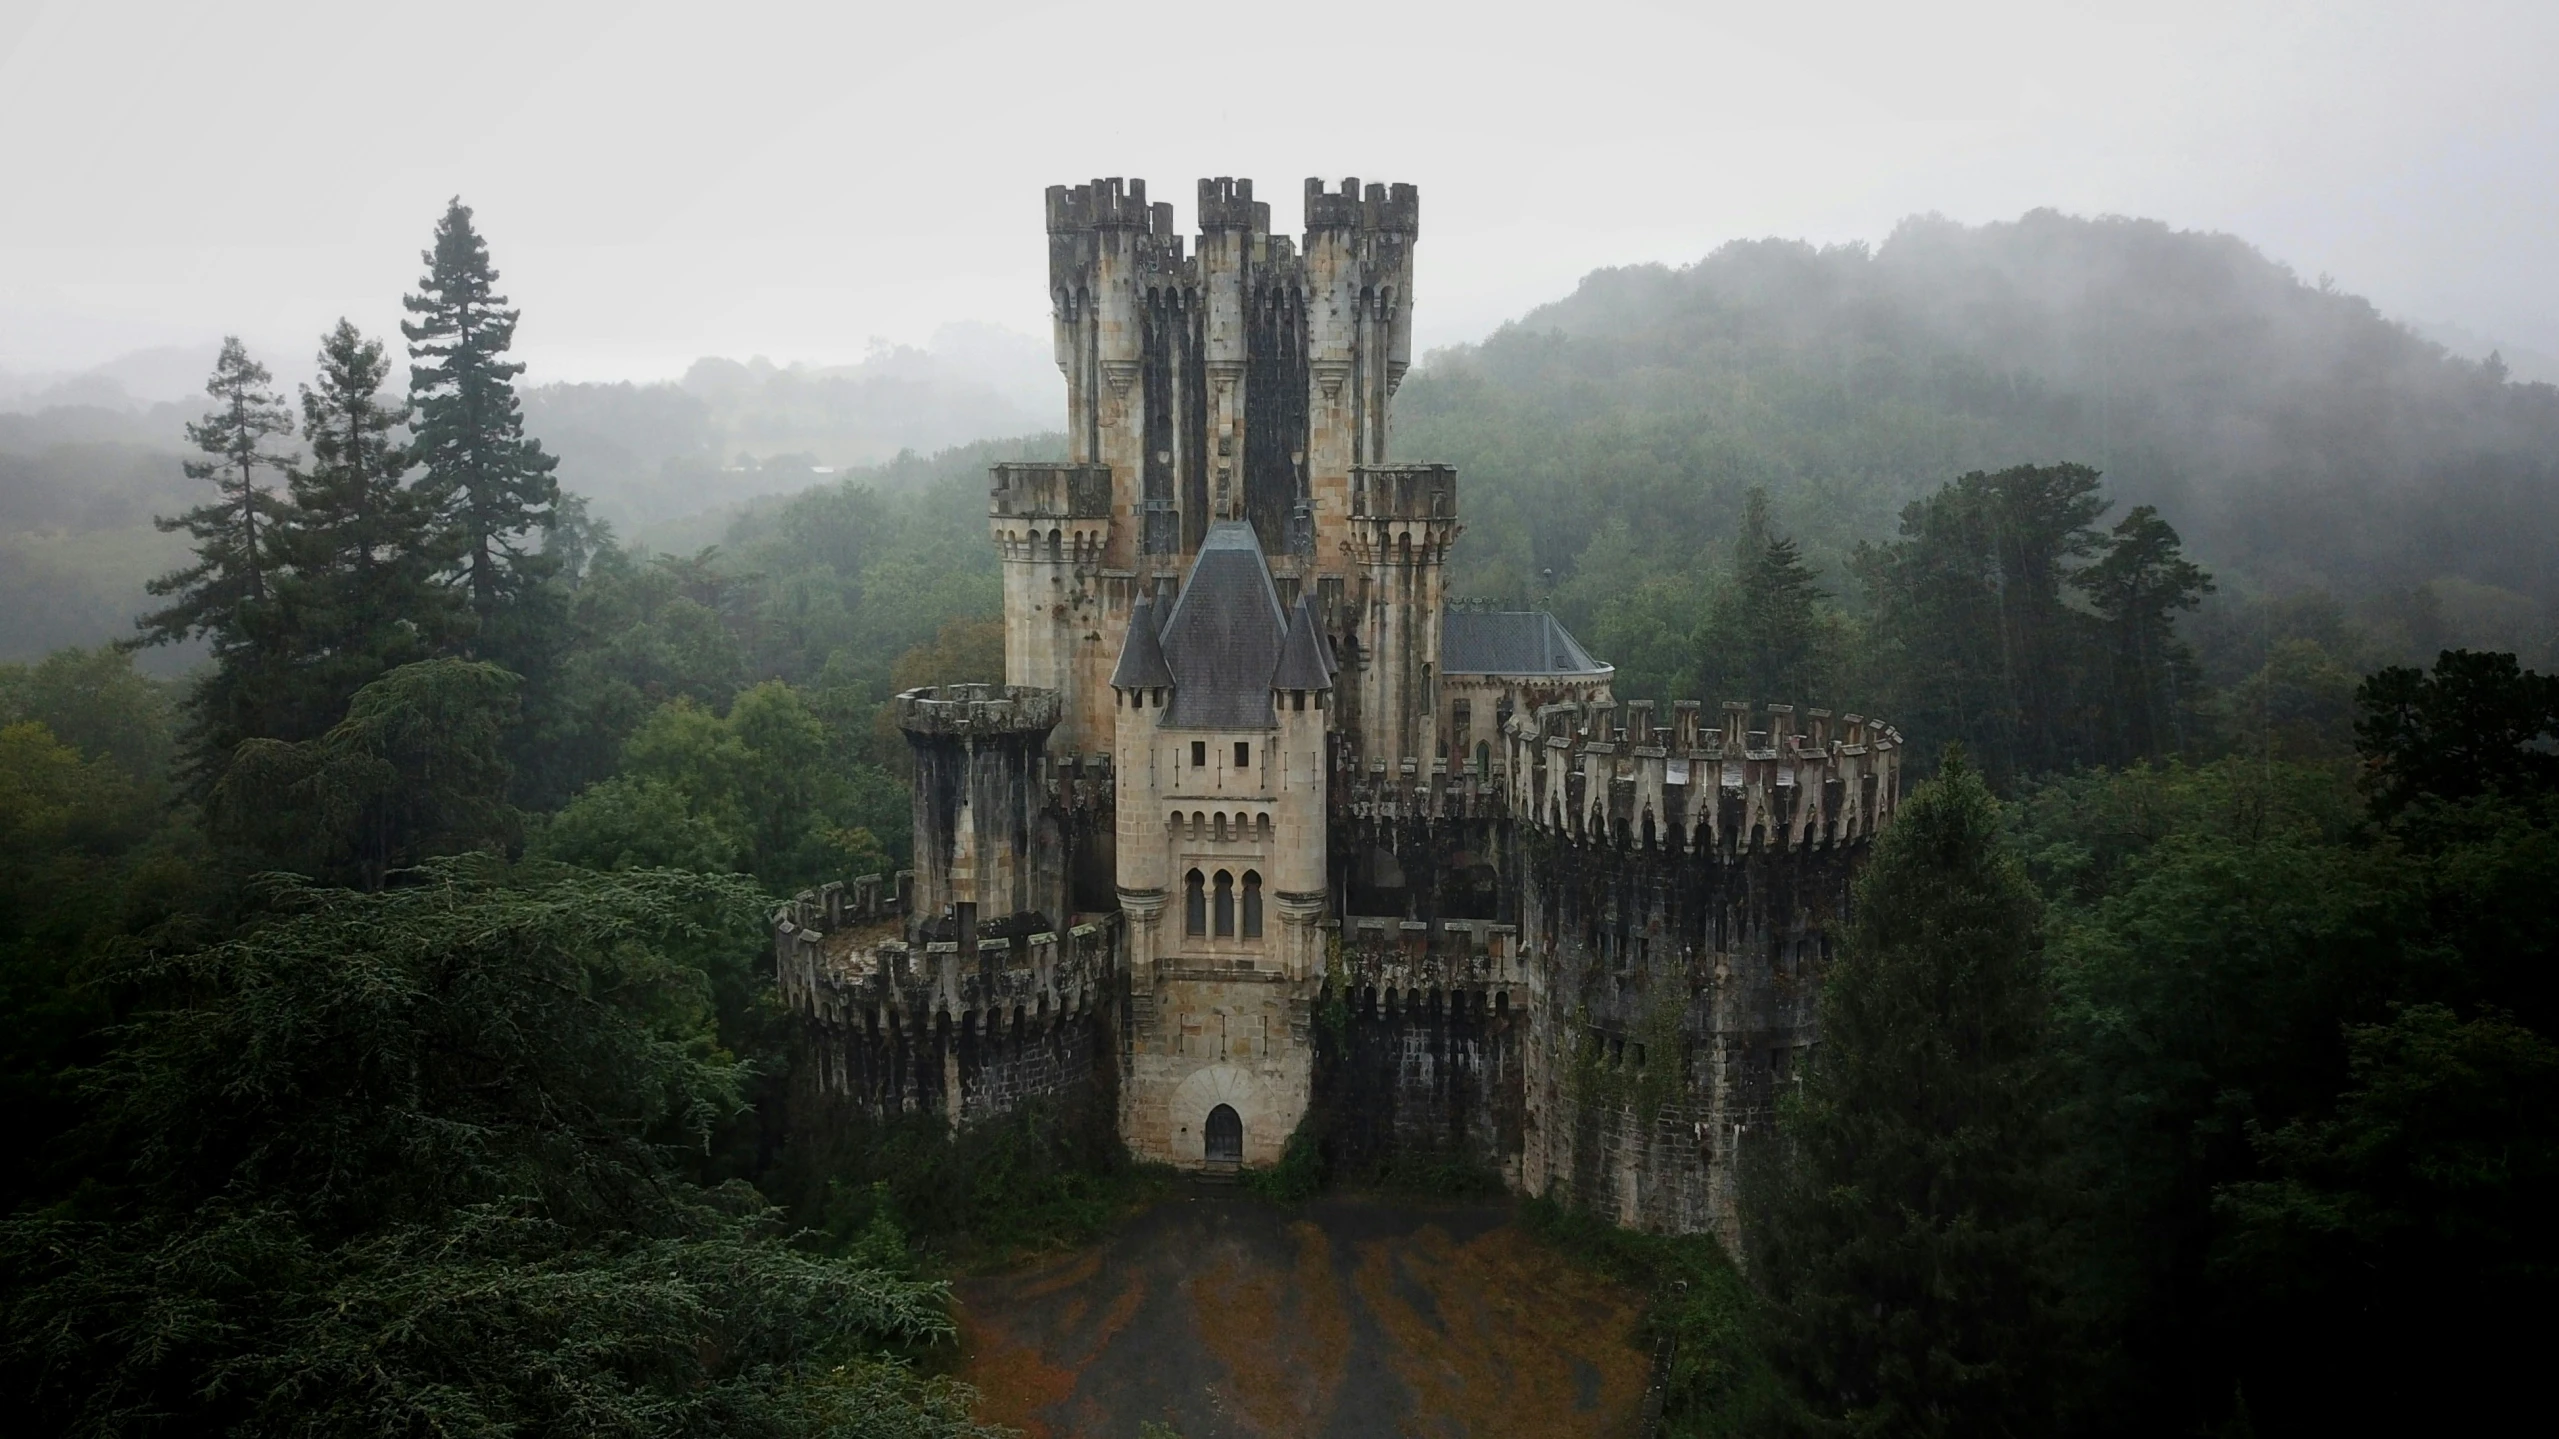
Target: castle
[{"x": 1259, "y": 827}]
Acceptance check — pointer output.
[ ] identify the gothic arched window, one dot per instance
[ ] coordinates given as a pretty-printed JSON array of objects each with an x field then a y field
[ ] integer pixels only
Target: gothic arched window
[
  {"x": 1194, "y": 905},
  {"x": 1225, "y": 905},
  {"x": 1252, "y": 904}
]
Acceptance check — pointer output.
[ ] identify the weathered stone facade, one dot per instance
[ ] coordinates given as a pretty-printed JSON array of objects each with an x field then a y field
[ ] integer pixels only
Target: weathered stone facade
[{"x": 1259, "y": 827}]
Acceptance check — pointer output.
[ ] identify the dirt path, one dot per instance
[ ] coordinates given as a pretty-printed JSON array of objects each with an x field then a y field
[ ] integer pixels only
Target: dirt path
[{"x": 1229, "y": 1317}]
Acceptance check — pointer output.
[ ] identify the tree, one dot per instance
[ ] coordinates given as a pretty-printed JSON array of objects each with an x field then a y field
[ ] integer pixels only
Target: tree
[
  {"x": 2478, "y": 724},
  {"x": 420, "y": 1162},
  {"x": 2137, "y": 588},
  {"x": 1970, "y": 627},
  {"x": 1766, "y": 636},
  {"x": 492, "y": 484},
  {"x": 1903, "y": 1227},
  {"x": 416, "y": 769},
  {"x": 225, "y": 596},
  {"x": 362, "y": 597}
]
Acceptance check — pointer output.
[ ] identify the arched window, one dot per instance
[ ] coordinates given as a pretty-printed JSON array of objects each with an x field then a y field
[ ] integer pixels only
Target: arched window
[
  {"x": 1056, "y": 548},
  {"x": 1225, "y": 1136},
  {"x": 1483, "y": 759},
  {"x": 1252, "y": 904},
  {"x": 1194, "y": 905},
  {"x": 1225, "y": 905}
]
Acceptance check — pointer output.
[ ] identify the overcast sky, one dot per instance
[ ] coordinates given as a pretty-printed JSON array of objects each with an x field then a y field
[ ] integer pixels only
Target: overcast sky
[{"x": 662, "y": 181}]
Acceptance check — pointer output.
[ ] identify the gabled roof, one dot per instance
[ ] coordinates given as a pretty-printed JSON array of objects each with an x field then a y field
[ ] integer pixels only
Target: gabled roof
[
  {"x": 1142, "y": 653},
  {"x": 1511, "y": 642},
  {"x": 1306, "y": 662},
  {"x": 1222, "y": 642}
]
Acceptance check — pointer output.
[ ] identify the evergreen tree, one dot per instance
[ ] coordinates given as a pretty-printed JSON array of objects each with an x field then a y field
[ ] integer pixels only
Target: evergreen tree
[
  {"x": 1902, "y": 1224},
  {"x": 1970, "y": 628},
  {"x": 416, "y": 769},
  {"x": 491, "y": 483},
  {"x": 1766, "y": 635},
  {"x": 227, "y": 595},
  {"x": 363, "y": 597},
  {"x": 2137, "y": 588}
]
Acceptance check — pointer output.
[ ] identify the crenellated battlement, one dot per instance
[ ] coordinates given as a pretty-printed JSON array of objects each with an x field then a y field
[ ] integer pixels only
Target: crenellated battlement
[
  {"x": 977, "y": 710},
  {"x": 1048, "y": 491},
  {"x": 1750, "y": 783},
  {"x": 1106, "y": 204},
  {"x": 1227, "y": 203},
  {"x": 1396, "y": 208},
  {"x": 1403, "y": 492},
  {"x": 861, "y": 976}
]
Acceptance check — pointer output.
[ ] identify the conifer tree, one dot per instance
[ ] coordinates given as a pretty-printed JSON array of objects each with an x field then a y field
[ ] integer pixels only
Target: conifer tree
[
  {"x": 2137, "y": 588},
  {"x": 227, "y": 595},
  {"x": 491, "y": 483},
  {"x": 1903, "y": 1223},
  {"x": 363, "y": 597},
  {"x": 1766, "y": 639}
]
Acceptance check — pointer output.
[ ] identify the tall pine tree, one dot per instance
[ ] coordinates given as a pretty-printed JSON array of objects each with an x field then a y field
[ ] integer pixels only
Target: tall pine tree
[
  {"x": 1766, "y": 637},
  {"x": 362, "y": 596},
  {"x": 491, "y": 483},
  {"x": 1903, "y": 1223},
  {"x": 227, "y": 596},
  {"x": 2137, "y": 588}
]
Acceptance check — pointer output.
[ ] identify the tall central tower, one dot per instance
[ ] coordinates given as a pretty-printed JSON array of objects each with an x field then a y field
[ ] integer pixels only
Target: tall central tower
[{"x": 1247, "y": 379}]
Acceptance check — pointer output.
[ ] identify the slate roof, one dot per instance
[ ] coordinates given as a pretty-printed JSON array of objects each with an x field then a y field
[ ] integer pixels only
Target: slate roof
[
  {"x": 1306, "y": 662},
  {"x": 1142, "y": 653},
  {"x": 1222, "y": 641},
  {"x": 1511, "y": 642}
]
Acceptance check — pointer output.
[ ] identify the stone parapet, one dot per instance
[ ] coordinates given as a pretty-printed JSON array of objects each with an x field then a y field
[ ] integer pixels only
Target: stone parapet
[
  {"x": 1755, "y": 782},
  {"x": 974, "y": 710},
  {"x": 1049, "y": 492},
  {"x": 865, "y": 978}
]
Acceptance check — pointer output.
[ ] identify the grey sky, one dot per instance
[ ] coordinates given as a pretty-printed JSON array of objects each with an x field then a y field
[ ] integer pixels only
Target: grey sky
[{"x": 663, "y": 181}]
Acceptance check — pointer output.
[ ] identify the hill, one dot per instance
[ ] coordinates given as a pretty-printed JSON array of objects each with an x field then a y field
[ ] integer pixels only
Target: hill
[{"x": 2299, "y": 440}]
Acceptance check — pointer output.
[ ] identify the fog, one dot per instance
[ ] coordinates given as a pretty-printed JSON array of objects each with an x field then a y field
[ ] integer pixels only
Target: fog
[{"x": 805, "y": 182}]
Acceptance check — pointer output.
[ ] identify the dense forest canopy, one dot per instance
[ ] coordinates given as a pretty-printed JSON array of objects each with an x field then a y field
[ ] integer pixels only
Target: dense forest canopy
[{"x": 2299, "y": 441}]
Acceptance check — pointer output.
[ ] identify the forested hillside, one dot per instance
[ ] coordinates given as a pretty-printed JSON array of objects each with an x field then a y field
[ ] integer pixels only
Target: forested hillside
[{"x": 2300, "y": 443}]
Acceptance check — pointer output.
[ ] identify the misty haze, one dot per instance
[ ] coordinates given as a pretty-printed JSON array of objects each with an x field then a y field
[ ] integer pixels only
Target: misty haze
[{"x": 1625, "y": 721}]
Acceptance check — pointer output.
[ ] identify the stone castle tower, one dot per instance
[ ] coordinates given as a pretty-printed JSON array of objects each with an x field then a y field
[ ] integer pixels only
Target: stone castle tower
[{"x": 1258, "y": 828}]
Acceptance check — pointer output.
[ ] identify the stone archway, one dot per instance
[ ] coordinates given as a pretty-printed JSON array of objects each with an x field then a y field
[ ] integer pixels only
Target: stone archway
[
  {"x": 1209, "y": 1088},
  {"x": 1224, "y": 1143}
]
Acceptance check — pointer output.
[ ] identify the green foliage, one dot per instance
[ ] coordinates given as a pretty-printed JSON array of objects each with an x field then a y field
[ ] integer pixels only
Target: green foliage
[
  {"x": 1048, "y": 1175},
  {"x": 1299, "y": 1175},
  {"x": 361, "y": 593},
  {"x": 1902, "y": 1224},
  {"x": 94, "y": 701},
  {"x": 756, "y": 791},
  {"x": 416, "y": 769},
  {"x": 226, "y": 596},
  {"x": 490, "y": 484},
  {"x": 2308, "y": 1061},
  {"x": 2477, "y": 724},
  {"x": 413, "y": 1162},
  {"x": 1700, "y": 1312}
]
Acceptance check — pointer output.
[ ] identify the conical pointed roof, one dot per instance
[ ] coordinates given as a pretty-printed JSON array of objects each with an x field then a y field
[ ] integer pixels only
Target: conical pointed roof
[
  {"x": 1142, "y": 653},
  {"x": 1306, "y": 662}
]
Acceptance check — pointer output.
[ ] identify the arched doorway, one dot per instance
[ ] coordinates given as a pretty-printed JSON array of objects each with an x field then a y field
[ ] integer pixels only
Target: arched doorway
[{"x": 1225, "y": 1135}]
